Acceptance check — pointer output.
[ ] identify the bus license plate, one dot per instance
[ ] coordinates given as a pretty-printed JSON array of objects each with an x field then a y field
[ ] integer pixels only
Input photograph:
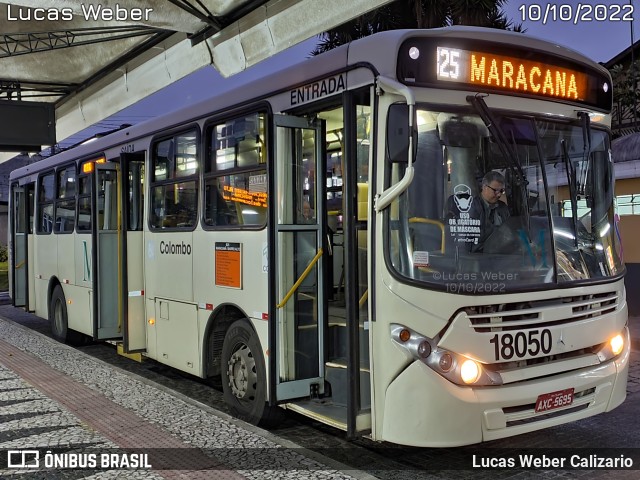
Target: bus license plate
[{"x": 549, "y": 401}]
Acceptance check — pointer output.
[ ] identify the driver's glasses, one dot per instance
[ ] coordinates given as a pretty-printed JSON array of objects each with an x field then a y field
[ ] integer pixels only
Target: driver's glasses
[{"x": 497, "y": 191}]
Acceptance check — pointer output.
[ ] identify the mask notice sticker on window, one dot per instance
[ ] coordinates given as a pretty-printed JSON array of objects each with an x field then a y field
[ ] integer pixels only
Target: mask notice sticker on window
[{"x": 420, "y": 259}]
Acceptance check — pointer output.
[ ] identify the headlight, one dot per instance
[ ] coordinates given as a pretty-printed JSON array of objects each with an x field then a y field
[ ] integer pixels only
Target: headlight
[
  {"x": 616, "y": 344},
  {"x": 469, "y": 371},
  {"x": 456, "y": 368},
  {"x": 613, "y": 347}
]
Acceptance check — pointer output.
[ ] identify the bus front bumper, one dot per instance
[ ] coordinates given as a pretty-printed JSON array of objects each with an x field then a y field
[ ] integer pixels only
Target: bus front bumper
[{"x": 424, "y": 409}]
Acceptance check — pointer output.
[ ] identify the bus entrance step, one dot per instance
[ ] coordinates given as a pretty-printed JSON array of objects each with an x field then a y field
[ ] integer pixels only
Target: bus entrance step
[
  {"x": 133, "y": 356},
  {"x": 338, "y": 345},
  {"x": 336, "y": 376}
]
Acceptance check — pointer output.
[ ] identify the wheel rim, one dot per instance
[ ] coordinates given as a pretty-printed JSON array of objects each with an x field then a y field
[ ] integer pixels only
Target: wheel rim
[
  {"x": 241, "y": 370},
  {"x": 58, "y": 316}
]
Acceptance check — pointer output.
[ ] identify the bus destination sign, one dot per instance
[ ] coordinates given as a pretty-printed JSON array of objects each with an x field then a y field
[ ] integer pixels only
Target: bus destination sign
[
  {"x": 509, "y": 73},
  {"x": 480, "y": 65}
]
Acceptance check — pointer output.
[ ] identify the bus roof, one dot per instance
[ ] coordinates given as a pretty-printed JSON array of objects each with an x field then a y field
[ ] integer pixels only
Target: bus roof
[{"x": 384, "y": 44}]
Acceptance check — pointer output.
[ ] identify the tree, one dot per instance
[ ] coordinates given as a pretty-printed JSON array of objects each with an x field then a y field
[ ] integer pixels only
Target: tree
[
  {"x": 625, "y": 93},
  {"x": 419, "y": 14}
]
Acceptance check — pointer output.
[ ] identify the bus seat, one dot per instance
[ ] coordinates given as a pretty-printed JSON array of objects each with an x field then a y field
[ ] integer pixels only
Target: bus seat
[{"x": 428, "y": 235}]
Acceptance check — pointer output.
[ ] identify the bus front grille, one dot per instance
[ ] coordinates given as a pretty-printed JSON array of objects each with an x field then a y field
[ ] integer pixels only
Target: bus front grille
[{"x": 541, "y": 313}]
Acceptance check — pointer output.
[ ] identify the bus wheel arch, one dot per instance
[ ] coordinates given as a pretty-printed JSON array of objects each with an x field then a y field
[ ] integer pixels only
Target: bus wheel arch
[
  {"x": 217, "y": 325},
  {"x": 244, "y": 376}
]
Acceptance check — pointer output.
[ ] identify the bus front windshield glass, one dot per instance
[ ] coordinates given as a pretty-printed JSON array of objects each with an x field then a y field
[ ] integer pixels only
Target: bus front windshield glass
[{"x": 480, "y": 217}]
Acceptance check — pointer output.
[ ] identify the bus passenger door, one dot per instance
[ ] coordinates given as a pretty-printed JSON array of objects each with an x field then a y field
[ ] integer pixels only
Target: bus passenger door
[
  {"x": 106, "y": 251},
  {"x": 132, "y": 252},
  {"x": 298, "y": 336},
  {"x": 22, "y": 215}
]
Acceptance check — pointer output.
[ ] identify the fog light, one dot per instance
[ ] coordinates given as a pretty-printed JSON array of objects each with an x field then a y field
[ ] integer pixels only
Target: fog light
[
  {"x": 445, "y": 362},
  {"x": 424, "y": 349},
  {"x": 617, "y": 344},
  {"x": 469, "y": 371}
]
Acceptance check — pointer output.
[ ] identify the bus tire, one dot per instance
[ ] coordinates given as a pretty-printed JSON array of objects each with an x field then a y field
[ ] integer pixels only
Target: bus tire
[
  {"x": 244, "y": 377},
  {"x": 58, "y": 315}
]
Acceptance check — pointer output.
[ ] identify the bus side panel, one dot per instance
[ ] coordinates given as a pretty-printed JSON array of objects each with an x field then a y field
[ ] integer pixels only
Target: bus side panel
[
  {"x": 45, "y": 267},
  {"x": 83, "y": 268},
  {"x": 80, "y": 312},
  {"x": 136, "y": 322},
  {"x": 177, "y": 334},
  {"x": 252, "y": 296},
  {"x": 169, "y": 265},
  {"x": 78, "y": 308},
  {"x": 172, "y": 338},
  {"x": 152, "y": 338},
  {"x": 31, "y": 279},
  {"x": 66, "y": 273},
  {"x": 77, "y": 298}
]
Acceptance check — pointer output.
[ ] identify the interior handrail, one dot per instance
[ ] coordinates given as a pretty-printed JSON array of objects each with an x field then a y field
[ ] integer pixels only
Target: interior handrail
[{"x": 304, "y": 275}]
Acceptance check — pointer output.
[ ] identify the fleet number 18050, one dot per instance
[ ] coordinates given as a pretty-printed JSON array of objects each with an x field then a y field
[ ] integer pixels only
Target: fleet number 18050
[{"x": 532, "y": 343}]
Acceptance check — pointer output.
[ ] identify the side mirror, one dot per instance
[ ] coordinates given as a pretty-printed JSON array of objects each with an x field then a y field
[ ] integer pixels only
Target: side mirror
[{"x": 398, "y": 133}]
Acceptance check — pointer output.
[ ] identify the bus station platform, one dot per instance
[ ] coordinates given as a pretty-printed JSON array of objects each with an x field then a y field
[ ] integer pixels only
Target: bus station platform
[{"x": 65, "y": 414}]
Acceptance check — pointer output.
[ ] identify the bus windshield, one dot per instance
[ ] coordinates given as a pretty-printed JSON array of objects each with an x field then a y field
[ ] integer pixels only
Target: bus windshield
[{"x": 475, "y": 221}]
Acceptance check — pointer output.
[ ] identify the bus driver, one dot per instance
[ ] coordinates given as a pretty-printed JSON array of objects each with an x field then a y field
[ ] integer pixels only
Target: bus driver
[{"x": 488, "y": 208}]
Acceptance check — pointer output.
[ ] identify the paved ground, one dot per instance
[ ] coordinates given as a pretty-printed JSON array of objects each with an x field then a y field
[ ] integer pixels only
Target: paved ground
[{"x": 53, "y": 397}]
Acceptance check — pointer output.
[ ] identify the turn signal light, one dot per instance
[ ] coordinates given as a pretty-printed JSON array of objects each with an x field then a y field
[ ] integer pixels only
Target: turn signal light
[{"x": 405, "y": 335}]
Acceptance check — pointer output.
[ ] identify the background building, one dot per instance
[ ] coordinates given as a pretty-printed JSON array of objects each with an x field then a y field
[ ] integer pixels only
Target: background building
[{"x": 625, "y": 70}]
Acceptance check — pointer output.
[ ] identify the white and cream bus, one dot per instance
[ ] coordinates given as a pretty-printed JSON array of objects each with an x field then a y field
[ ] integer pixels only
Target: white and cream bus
[{"x": 308, "y": 240}]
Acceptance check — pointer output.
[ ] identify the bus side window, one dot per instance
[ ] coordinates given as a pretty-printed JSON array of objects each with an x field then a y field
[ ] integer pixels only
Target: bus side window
[
  {"x": 235, "y": 175},
  {"x": 46, "y": 184},
  {"x": 65, "y": 205},
  {"x": 174, "y": 186}
]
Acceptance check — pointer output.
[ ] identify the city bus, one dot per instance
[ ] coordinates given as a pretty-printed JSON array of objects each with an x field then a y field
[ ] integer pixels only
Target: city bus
[{"x": 307, "y": 241}]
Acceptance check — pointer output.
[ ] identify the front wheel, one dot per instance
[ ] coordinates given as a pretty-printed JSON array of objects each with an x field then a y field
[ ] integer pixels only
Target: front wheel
[{"x": 244, "y": 377}]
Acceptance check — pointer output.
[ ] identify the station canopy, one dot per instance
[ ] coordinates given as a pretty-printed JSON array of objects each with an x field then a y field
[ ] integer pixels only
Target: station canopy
[{"x": 93, "y": 58}]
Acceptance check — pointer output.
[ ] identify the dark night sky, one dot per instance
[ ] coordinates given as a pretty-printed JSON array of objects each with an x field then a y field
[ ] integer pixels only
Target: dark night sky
[{"x": 597, "y": 33}]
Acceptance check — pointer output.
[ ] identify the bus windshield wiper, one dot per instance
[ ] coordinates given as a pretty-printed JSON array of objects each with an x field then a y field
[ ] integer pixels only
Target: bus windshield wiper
[
  {"x": 571, "y": 182},
  {"x": 505, "y": 148},
  {"x": 508, "y": 150},
  {"x": 585, "y": 122}
]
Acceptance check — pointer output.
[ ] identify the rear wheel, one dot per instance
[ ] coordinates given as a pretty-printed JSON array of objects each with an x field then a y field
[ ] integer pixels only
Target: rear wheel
[
  {"x": 244, "y": 377},
  {"x": 59, "y": 320},
  {"x": 58, "y": 315}
]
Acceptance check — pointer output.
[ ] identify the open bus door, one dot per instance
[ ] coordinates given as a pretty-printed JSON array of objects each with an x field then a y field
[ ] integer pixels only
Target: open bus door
[
  {"x": 22, "y": 212},
  {"x": 118, "y": 287},
  {"x": 132, "y": 252},
  {"x": 297, "y": 337},
  {"x": 314, "y": 324},
  {"x": 106, "y": 212}
]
